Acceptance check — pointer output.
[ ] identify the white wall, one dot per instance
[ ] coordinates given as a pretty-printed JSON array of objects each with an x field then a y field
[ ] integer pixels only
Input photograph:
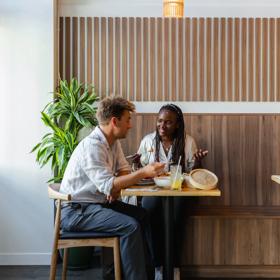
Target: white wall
[
  {"x": 153, "y": 8},
  {"x": 26, "y": 69}
]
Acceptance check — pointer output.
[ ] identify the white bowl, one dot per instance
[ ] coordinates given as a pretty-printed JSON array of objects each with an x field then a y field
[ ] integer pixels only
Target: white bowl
[{"x": 163, "y": 181}]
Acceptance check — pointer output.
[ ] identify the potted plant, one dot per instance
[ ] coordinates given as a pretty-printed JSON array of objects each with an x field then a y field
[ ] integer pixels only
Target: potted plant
[
  {"x": 70, "y": 116},
  {"x": 67, "y": 115}
]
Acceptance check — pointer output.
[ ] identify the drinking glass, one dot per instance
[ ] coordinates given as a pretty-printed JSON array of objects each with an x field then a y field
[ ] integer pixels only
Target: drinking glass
[{"x": 176, "y": 179}]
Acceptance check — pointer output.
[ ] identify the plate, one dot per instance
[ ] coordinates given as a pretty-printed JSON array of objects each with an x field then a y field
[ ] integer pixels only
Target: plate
[{"x": 146, "y": 182}]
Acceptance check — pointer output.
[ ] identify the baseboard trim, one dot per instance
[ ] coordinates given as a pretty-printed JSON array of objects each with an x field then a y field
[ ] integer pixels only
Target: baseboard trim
[
  {"x": 231, "y": 271},
  {"x": 25, "y": 258}
]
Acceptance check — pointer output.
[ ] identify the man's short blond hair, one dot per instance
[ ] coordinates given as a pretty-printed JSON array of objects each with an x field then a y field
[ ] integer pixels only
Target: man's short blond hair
[{"x": 110, "y": 107}]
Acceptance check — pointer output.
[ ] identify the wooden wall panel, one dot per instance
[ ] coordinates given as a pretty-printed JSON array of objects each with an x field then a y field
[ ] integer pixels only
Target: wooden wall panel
[
  {"x": 166, "y": 59},
  {"x": 272, "y": 59},
  {"x": 138, "y": 47},
  {"x": 89, "y": 51},
  {"x": 131, "y": 71},
  {"x": 216, "y": 65},
  {"x": 124, "y": 71},
  {"x": 173, "y": 62},
  {"x": 187, "y": 76},
  {"x": 67, "y": 48},
  {"x": 152, "y": 61},
  {"x": 251, "y": 55},
  {"x": 241, "y": 228},
  {"x": 236, "y": 64},
  {"x": 243, "y": 151},
  {"x": 145, "y": 61},
  {"x": 278, "y": 58},
  {"x": 104, "y": 38},
  {"x": 159, "y": 39},
  {"x": 110, "y": 56},
  {"x": 194, "y": 58},
  {"x": 244, "y": 57},
  {"x": 61, "y": 49},
  {"x": 209, "y": 62},
  {"x": 223, "y": 95},
  {"x": 265, "y": 69},
  {"x": 117, "y": 50},
  {"x": 202, "y": 57},
  {"x": 257, "y": 69},
  {"x": 82, "y": 51},
  {"x": 75, "y": 41},
  {"x": 230, "y": 60},
  {"x": 162, "y": 59},
  {"x": 96, "y": 55},
  {"x": 234, "y": 241},
  {"x": 180, "y": 62}
]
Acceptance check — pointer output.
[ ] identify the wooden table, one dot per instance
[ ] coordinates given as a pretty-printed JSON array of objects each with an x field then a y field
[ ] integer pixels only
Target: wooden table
[{"x": 167, "y": 197}]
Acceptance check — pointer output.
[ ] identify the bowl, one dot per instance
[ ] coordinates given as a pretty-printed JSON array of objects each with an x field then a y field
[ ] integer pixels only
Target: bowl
[
  {"x": 163, "y": 181},
  {"x": 202, "y": 179}
]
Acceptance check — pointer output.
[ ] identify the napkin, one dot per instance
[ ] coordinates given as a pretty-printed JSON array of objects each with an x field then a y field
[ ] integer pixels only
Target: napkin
[{"x": 143, "y": 189}]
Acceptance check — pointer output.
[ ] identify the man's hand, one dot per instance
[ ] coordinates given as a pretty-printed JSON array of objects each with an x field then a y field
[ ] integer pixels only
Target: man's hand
[
  {"x": 110, "y": 199},
  {"x": 200, "y": 154},
  {"x": 121, "y": 182},
  {"x": 115, "y": 194},
  {"x": 153, "y": 169}
]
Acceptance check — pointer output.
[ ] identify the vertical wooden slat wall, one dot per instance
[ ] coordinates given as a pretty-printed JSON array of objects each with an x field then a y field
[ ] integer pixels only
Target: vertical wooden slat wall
[{"x": 162, "y": 59}]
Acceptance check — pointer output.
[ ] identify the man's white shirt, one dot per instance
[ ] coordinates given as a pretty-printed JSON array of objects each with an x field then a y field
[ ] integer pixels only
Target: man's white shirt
[{"x": 92, "y": 168}]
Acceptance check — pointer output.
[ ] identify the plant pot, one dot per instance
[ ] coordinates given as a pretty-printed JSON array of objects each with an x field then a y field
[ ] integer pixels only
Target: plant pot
[{"x": 79, "y": 258}]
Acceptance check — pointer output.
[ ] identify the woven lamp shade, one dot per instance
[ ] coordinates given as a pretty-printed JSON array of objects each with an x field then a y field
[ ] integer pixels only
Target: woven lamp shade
[{"x": 173, "y": 8}]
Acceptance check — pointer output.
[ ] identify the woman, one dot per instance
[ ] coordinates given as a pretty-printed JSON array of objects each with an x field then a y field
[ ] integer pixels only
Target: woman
[{"x": 167, "y": 144}]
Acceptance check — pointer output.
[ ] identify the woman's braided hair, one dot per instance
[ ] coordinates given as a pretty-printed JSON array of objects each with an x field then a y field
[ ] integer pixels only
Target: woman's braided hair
[{"x": 178, "y": 145}]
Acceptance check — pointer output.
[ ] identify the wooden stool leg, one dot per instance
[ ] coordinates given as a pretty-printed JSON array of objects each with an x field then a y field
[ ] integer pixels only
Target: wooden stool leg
[
  {"x": 117, "y": 260},
  {"x": 53, "y": 264},
  {"x": 65, "y": 261}
]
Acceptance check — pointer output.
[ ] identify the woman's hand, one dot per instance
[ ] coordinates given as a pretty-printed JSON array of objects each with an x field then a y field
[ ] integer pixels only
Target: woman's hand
[{"x": 200, "y": 154}]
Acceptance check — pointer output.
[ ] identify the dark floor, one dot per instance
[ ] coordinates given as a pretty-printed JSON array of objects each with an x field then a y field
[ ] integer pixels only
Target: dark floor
[{"x": 42, "y": 273}]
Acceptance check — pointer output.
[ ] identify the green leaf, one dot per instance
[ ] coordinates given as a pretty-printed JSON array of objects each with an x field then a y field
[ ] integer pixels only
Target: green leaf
[
  {"x": 60, "y": 156},
  {"x": 83, "y": 121},
  {"x": 35, "y": 147},
  {"x": 83, "y": 97}
]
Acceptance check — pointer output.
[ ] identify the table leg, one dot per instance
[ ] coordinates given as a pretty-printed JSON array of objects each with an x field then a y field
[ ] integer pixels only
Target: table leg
[{"x": 168, "y": 233}]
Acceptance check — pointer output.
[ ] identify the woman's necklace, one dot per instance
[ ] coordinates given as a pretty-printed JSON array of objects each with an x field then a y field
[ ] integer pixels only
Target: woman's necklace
[{"x": 166, "y": 147}]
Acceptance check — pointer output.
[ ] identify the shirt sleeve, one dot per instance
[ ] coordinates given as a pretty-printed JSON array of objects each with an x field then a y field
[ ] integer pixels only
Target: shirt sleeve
[
  {"x": 191, "y": 148},
  {"x": 95, "y": 165},
  {"x": 143, "y": 151},
  {"x": 122, "y": 163}
]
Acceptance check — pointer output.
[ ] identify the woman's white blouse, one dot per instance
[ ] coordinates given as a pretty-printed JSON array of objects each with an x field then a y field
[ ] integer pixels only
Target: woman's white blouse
[{"x": 148, "y": 146}]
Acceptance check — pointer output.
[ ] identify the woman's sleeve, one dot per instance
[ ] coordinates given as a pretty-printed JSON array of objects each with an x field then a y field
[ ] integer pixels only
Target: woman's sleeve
[{"x": 190, "y": 150}]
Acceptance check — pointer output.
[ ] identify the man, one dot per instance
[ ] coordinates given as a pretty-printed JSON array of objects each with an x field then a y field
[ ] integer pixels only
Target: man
[{"x": 95, "y": 175}]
